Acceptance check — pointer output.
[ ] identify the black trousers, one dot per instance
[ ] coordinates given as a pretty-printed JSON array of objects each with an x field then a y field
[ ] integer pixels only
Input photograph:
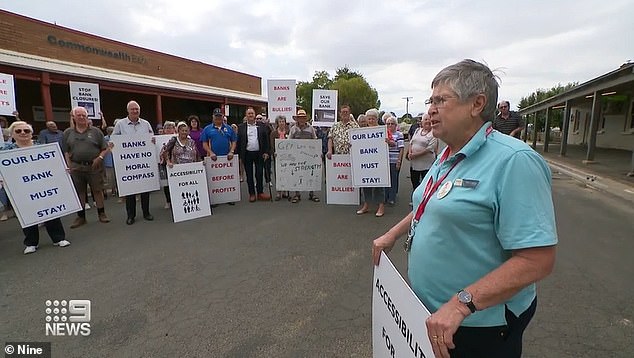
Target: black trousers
[
  {"x": 494, "y": 342},
  {"x": 54, "y": 228},
  {"x": 417, "y": 176},
  {"x": 252, "y": 159},
  {"x": 130, "y": 204}
]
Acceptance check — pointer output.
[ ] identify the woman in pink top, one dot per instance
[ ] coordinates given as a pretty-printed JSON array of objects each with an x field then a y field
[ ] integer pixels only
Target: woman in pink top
[{"x": 280, "y": 132}]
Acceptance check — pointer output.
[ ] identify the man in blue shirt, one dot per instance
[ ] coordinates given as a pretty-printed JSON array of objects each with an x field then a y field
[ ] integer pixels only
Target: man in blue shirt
[
  {"x": 218, "y": 138},
  {"x": 51, "y": 134}
]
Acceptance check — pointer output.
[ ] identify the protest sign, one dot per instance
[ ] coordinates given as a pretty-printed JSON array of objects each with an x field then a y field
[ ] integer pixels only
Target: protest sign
[
  {"x": 38, "y": 184},
  {"x": 339, "y": 188},
  {"x": 84, "y": 94},
  {"x": 159, "y": 142},
  {"x": 282, "y": 99},
  {"x": 223, "y": 179},
  {"x": 324, "y": 108},
  {"x": 370, "y": 157},
  {"x": 298, "y": 164},
  {"x": 188, "y": 191},
  {"x": 7, "y": 95},
  {"x": 135, "y": 163},
  {"x": 398, "y": 316}
]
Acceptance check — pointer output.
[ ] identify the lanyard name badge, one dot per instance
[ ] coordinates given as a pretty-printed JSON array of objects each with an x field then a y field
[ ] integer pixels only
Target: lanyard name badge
[{"x": 430, "y": 189}]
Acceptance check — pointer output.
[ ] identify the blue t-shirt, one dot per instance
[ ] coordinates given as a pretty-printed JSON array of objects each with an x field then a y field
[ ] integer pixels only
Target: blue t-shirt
[
  {"x": 502, "y": 203},
  {"x": 220, "y": 138},
  {"x": 108, "y": 162},
  {"x": 47, "y": 136}
]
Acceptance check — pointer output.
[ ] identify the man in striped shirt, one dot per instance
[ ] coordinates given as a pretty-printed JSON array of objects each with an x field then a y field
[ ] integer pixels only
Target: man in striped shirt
[{"x": 507, "y": 121}]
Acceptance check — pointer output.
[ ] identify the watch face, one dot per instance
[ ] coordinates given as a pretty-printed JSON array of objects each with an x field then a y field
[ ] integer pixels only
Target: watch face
[{"x": 464, "y": 297}]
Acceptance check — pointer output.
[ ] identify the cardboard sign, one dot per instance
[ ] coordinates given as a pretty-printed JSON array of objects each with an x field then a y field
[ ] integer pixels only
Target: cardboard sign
[
  {"x": 370, "y": 157},
  {"x": 7, "y": 95},
  {"x": 298, "y": 164},
  {"x": 135, "y": 163},
  {"x": 339, "y": 188},
  {"x": 324, "y": 108},
  {"x": 223, "y": 179},
  {"x": 84, "y": 94},
  {"x": 282, "y": 99},
  {"x": 398, "y": 316},
  {"x": 38, "y": 184}
]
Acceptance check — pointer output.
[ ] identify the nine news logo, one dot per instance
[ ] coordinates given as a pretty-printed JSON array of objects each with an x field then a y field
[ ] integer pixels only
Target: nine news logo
[{"x": 68, "y": 318}]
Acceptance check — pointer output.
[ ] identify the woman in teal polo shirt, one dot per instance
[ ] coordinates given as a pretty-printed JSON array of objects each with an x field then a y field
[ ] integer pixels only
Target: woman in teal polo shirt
[{"x": 479, "y": 236}]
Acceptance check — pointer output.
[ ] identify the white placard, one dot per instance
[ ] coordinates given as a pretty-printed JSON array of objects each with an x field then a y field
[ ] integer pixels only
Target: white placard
[
  {"x": 38, "y": 184},
  {"x": 324, "y": 108},
  {"x": 7, "y": 95},
  {"x": 339, "y": 188},
  {"x": 398, "y": 316},
  {"x": 223, "y": 179},
  {"x": 298, "y": 164},
  {"x": 370, "y": 157},
  {"x": 135, "y": 163},
  {"x": 188, "y": 191},
  {"x": 84, "y": 94},
  {"x": 159, "y": 142},
  {"x": 282, "y": 99}
]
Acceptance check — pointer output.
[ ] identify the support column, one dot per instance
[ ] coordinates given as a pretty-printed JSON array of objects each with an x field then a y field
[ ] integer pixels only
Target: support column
[
  {"x": 535, "y": 130},
  {"x": 547, "y": 129},
  {"x": 525, "y": 137},
  {"x": 565, "y": 129},
  {"x": 45, "y": 89},
  {"x": 594, "y": 125},
  {"x": 159, "y": 110}
]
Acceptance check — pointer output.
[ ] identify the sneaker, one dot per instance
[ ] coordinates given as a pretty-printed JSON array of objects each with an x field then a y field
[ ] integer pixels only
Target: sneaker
[
  {"x": 167, "y": 206},
  {"x": 87, "y": 206},
  {"x": 30, "y": 249},
  {"x": 103, "y": 218},
  {"x": 78, "y": 222},
  {"x": 62, "y": 243},
  {"x": 4, "y": 217}
]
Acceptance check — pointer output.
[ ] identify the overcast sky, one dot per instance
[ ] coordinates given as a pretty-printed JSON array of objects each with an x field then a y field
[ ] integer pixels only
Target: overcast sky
[{"x": 398, "y": 45}]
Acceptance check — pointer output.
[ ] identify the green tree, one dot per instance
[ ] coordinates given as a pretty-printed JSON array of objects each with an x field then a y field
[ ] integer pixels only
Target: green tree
[
  {"x": 542, "y": 94},
  {"x": 353, "y": 89}
]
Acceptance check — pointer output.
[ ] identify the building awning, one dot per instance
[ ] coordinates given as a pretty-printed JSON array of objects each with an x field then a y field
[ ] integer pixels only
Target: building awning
[{"x": 38, "y": 63}]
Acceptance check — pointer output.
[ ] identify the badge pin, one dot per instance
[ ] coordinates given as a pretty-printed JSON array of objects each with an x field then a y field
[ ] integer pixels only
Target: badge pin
[
  {"x": 457, "y": 182},
  {"x": 444, "y": 189}
]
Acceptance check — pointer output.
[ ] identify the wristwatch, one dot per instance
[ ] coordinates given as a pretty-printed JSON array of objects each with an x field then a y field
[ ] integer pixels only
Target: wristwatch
[{"x": 466, "y": 298}]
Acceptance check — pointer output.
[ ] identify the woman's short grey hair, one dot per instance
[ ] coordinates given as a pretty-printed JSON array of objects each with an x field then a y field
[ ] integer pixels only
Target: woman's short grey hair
[
  {"x": 469, "y": 78},
  {"x": 280, "y": 118},
  {"x": 386, "y": 116},
  {"x": 168, "y": 124},
  {"x": 181, "y": 124},
  {"x": 372, "y": 112}
]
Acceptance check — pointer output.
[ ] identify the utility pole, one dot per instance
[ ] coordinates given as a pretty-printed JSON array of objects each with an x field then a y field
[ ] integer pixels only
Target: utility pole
[{"x": 407, "y": 104}]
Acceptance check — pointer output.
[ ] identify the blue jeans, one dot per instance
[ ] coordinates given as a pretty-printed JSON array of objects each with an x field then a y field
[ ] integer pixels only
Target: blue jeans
[
  {"x": 4, "y": 199},
  {"x": 390, "y": 193}
]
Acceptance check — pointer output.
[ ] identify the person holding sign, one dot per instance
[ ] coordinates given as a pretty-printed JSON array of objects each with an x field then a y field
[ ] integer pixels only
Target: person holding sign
[
  {"x": 253, "y": 146},
  {"x": 478, "y": 238},
  {"x": 371, "y": 195},
  {"x": 338, "y": 139},
  {"x": 84, "y": 148},
  {"x": 131, "y": 125},
  {"x": 22, "y": 134},
  {"x": 279, "y": 132},
  {"x": 302, "y": 130}
]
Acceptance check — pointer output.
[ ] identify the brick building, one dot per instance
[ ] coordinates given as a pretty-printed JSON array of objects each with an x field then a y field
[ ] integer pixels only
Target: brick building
[{"x": 44, "y": 57}]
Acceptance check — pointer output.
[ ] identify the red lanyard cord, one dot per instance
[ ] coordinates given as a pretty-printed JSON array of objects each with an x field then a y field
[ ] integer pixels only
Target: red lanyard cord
[{"x": 431, "y": 188}]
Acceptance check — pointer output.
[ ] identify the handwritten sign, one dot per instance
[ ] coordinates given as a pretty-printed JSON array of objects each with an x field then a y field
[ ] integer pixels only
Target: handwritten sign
[
  {"x": 398, "y": 316},
  {"x": 282, "y": 98},
  {"x": 324, "y": 108},
  {"x": 223, "y": 179},
  {"x": 37, "y": 183},
  {"x": 339, "y": 188},
  {"x": 84, "y": 94},
  {"x": 370, "y": 157},
  {"x": 7, "y": 95},
  {"x": 188, "y": 191},
  {"x": 298, "y": 164},
  {"x": 135, "y": 163}
]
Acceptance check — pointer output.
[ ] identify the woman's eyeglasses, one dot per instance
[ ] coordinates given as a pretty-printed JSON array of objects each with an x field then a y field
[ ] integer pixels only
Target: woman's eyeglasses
[{"x": 20, "y": 130}]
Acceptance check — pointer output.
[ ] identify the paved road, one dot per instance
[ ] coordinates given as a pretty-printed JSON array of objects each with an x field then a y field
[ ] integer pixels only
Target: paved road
[{"x": 289, "y": 280}]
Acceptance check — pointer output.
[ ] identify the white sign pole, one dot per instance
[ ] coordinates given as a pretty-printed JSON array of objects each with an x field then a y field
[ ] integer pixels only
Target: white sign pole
[
  {"x": 7, "y": 95},
  {"x": 188, "y": 191},
  {"x": 298, "y": 164},
  {"x": 370, "y": 157},
  {"x": 38, "y": 184},
  {"x": 398, "y": 316},
  {"x": 223, "y": 179},
  {"x": 324, "y": 108},
  {"x": 339, "y": 188},
  {"x": 282, "y": 99},
  {"x": 135, "y": 163},
  {"x": 84, "y": 94}
]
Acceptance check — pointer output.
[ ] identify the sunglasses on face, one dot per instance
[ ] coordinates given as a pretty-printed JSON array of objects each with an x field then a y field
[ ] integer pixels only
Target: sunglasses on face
[{"x": 20, "y": 130}]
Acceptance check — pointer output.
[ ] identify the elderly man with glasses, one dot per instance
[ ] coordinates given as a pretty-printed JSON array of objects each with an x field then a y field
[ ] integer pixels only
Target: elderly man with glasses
[{"x": 507, "y": 121}]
